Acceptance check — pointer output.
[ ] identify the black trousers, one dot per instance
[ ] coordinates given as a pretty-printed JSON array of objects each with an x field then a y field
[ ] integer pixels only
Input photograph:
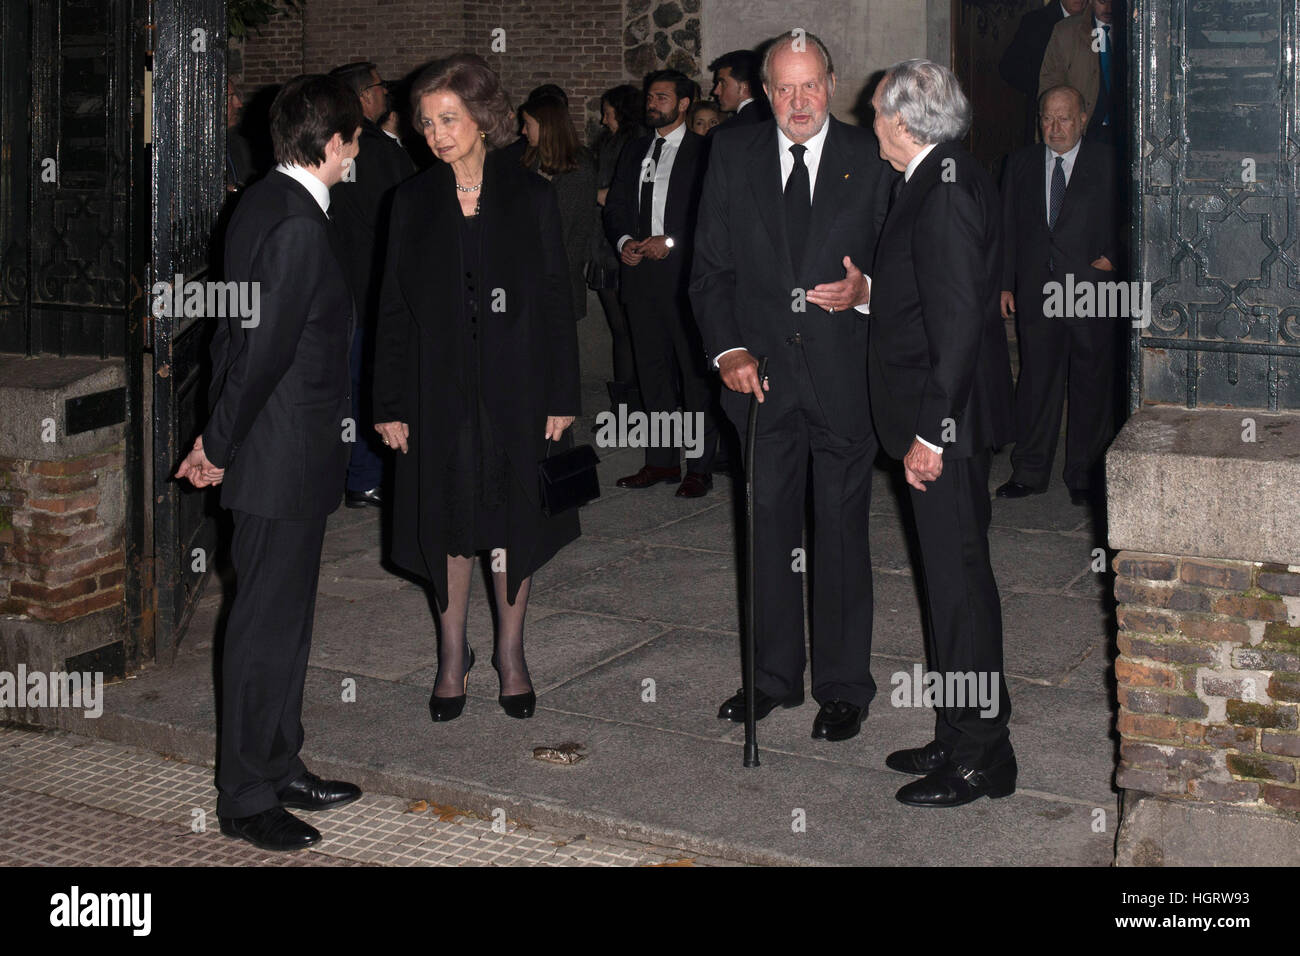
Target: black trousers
[
  {"x": 666, "y": 346},
  {"x": 1052, "y": 354},
  {"x": 264, "y": 664},
  {"x": 840, "y": 566},
  {"x": 964, "y": 627}
]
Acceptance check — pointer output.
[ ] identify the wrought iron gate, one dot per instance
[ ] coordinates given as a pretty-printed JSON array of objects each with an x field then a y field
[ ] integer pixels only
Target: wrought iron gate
[
  {"x": 186, "y": 169},
  {"x": 1215, "y": 217}
]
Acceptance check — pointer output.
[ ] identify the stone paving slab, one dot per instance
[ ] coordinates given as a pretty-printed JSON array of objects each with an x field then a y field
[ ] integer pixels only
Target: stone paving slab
[
  {"x": 72, "y": 801},
  {"x": 649, "y": 593}
]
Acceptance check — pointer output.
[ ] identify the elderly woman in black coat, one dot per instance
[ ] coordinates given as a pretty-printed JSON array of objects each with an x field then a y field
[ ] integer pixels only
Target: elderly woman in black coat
[{"x": 476, "y": 370}]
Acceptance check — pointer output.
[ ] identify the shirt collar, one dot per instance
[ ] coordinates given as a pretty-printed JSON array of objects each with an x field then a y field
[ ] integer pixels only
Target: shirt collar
[
  {"x": 814, "y": 143},
  {"x": 319, "y": 191},
  {"x": 744, "y": 103},
  {"x": 917, "y": 160},
  {"x": 674, "y": 138}
]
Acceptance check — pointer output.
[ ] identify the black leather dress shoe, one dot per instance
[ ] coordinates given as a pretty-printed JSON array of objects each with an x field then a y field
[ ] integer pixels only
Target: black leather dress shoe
[
  {"x": 919, "y": 760},
  {"x": 953, "y": 785},
  {"x": 310, "y": 792},
  {"x": 1014, "y": 489},
  {"x": 734, "y": 706},
  {"x": 273, "y": 829},
  {"x": 695, "y": 485},
  {"x": 373, "y": 498},
  {"x": 837, "y": 720},
  {"x": 649, "y": 476}
]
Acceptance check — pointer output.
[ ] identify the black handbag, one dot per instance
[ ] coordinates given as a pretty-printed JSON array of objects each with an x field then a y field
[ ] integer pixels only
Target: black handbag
[{"x": 568, "y": 480}]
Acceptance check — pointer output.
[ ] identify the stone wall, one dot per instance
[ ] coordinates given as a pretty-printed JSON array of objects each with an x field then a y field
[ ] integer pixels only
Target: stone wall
[
  {"x": 1202, "y": 510},
  {"x": 61, "y": 535},
  {"x": 1209, "y": 679},
  {"x": 578, "y": 44}
]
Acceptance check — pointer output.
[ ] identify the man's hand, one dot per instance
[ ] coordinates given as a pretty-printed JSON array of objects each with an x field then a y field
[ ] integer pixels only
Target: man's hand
[
  {"x": 848, "y": 292},
  {"x": 656, "y": 247},
  {"x": 921, "y": 464},
  {"x": 1104, "y": 264},
  {"x": 739, "y": 371},
  {"x": 556, "y": 424},
  {"x": 394, "y": 434},
  {"x": 631, "y": 254},
  {"x": 198, "y": 470},
  {"x": 1008, "y": 304}
]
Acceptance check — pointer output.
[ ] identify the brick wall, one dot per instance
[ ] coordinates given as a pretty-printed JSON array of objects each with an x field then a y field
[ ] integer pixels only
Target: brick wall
[
  {"x": 61, "y": 546},
  {"x": 577, "y": 44},
  {"x": 1209, "y": 679}
]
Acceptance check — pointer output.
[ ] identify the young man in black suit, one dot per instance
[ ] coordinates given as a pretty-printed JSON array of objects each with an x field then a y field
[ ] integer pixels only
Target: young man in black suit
[
  {"x": 276, "y": 443},
  {"x": 787, "y": 226},
  {"x": 941, "y": 396},
  {"x": 737, "y": 90},
  {"x": 1058, "y": 202},
  {"x": 650, "y": 219},
  {"x": 359, "y": 207}
]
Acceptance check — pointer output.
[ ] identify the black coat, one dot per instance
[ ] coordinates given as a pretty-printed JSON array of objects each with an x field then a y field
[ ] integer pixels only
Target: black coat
[
  {"x": 360, "y": 206},
  {"x": 1085, "y": 227},
  {"x": 621, "y": 213},
  {"x": 280, "y": 389},
  {"x": 529, "y": 343},
  {"x": 938, "y": 342},
  {"x": 742, "y": 277},
  {"x": 1023, "y": 59},
  {"x": 752, "y": 113}
]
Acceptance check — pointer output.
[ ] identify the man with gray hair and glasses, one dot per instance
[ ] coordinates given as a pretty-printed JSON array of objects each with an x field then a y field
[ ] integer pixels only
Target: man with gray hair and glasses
[{"x": 940, "y": 378}]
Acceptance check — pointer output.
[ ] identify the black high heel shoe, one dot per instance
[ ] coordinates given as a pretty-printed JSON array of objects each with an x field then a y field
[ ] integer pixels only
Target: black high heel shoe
[
  {"x": 519, "y": 706},
  {"x": 449, "y": 708}
]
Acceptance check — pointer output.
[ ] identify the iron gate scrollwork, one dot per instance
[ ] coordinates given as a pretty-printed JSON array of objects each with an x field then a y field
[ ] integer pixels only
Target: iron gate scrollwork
[
  {"x": 187, "y": 163},
  {"x": 1215, "y": 224}
]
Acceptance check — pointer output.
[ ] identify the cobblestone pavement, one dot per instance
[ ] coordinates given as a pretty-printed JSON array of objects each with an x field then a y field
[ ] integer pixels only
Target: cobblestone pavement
[{"x": 73, "y": 801}]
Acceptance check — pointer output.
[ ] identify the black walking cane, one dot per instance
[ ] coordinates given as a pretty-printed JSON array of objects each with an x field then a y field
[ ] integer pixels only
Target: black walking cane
[{"x": 747, "y": 671}]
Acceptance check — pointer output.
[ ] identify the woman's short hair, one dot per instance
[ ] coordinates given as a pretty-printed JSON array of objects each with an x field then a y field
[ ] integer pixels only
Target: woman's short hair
[
  {"x": 929, "y": 99},
  {"x": 557, "y": 146},
  {"x": 306, "y": 114},
  {"x": 468, "y": 76}
]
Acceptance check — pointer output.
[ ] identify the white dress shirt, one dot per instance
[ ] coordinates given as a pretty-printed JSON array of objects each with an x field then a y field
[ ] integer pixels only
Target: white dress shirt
[
  {"x": 319, "y": 191},
  {"x": 812, "y": 158},
  {"x": 1068, "y": 167},
  {"x": 663, "y": 173}
]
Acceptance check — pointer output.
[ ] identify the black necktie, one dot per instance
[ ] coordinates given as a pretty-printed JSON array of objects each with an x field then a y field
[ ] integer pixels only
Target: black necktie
[
  {"x": 644, "y": 221},
  {"x": 798, "y": 206},
  {"x": 1058, "y": 192},
  {"x": 895, "y": 191}
]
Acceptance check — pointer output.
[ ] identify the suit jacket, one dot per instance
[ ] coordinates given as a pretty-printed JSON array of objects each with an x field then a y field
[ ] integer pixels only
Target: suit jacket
[
  {"x": 621, "y": 213},
  {"x": 752, "y": 113},
  {"x": 1085, "y": 228},
  {"x": 360, "y": 210},
  {"x": 938, "y": 343},
  {"x": 1022, "y": 62},
  {"x": 1070, "y": 60},
  {"x": 280, "y": 389},
  {"x": 526, "y": 336},
  {"x": 743, "y": 279}
]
